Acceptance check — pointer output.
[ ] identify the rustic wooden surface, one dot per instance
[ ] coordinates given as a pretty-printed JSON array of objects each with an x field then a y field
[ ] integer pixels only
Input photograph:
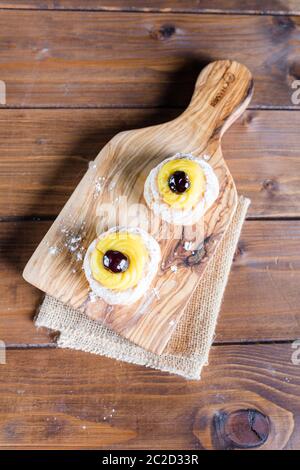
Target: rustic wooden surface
[
  {"x": 54, "y": 147},
  {"x": 46, "y": 401},
  {"x": 184, "y": 6},
  {"x": 140, "y": 59},
  {"x": 265, "y": 273},
  {"x": 248, "y": 395}
]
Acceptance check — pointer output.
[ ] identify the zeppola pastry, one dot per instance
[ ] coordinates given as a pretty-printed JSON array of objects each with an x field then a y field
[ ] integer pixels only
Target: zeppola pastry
[
  {"x": 181, "y": 189},
  {"x": 121, "y": 264}
]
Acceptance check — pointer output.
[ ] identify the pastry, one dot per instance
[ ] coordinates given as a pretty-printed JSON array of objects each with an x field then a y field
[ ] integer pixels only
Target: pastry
[
  {"x": 181, "y": 189},
  {"x": 121, "y": 264}
]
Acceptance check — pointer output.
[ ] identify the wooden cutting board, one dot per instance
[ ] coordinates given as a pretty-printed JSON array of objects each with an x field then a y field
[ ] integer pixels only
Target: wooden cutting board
[{"x": 222, "y": 92}]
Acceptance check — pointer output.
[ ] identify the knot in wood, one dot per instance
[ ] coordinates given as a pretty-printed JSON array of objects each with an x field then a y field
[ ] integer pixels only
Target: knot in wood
[
  {"x": 283, "y": 25},
  {"x": 270, "y": 185},
  {"x": 164, "y": 32},
  {"x": 242, "y": 429}
]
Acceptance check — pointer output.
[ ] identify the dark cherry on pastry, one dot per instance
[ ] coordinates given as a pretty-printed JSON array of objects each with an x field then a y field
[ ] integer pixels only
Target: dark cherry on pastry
[
  {"x": 115, "y": 261},
  {"x": 179, "y": 182}
]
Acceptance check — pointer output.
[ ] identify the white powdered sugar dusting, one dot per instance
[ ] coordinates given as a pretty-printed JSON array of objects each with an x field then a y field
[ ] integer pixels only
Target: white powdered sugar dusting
[
  {"x": 188, "y": 246},
  {"x": 73, "y": 239},
  {"x": 93, "y": 165},
  {"x": 92, "y": 297},
  {"x": 53, "y": 250},
  {"x": 73, "y": 243},
  {"x": 112, "y": 185},
  {"x": 99, "y": 186},
  {"x": 155, "y": 291},
  {"x": 79, "y": 254}
]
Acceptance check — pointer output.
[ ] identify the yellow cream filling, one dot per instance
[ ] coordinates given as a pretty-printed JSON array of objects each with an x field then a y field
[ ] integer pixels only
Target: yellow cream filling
[
  {"x": 191, "y": 196},
  {"x": 130, "y": 245}
]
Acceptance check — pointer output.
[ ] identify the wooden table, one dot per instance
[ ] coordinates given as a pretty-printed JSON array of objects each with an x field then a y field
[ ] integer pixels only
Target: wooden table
[{"x": 77, "y": 72}]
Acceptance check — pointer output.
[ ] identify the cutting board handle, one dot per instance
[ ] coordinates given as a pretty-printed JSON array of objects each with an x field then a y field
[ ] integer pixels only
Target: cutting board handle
[{"x": 223, "y": 91}]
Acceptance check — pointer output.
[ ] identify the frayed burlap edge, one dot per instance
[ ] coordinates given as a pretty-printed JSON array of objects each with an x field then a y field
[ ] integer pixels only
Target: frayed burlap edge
[{"x": 188, "y": 349}]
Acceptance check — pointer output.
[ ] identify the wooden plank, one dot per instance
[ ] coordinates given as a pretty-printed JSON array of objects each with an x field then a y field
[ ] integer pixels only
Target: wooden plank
[
  {"x": 41, "y": 167},
  {"x": 142, "y": 59},
  {"x": 262, "y": 300},
  {"x": 20, "y": 300},
  {"x": 183, "y": 6},
  {"x": 265, "y": 276},
  {"x": 122, "y": 163},
  {"x": 248, "y": 397}
]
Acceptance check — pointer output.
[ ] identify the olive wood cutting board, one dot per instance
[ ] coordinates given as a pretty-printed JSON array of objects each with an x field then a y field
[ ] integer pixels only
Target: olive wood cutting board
[{"x": 222, "y": 92}]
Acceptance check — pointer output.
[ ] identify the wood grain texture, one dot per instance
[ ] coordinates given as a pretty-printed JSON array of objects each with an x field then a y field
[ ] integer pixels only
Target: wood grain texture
[
  {"x": 222, "y": 92},
  {"x": 193, "y": 6},
  {"x": 73, "y": 400},
  {"x": 140, "y": 59},
  {"x": 249, "y": 396},
  {"x": 19, "y": 300},
  {"x": 265, "y": 273},
  {"x": 40, "y": 168}
]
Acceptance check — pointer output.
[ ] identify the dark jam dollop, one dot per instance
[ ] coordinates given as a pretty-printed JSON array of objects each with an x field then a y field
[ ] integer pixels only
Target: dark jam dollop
[
  {"x": 179, "y": 182},
  {"x": 115, "y": 261}
]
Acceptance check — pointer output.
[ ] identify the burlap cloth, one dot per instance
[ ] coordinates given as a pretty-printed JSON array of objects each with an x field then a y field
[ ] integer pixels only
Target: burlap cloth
[{"x": 188, "y": 349}]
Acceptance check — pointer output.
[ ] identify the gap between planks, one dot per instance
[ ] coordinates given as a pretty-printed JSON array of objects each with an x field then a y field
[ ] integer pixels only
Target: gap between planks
[
  {"x": 29, "y": 346},
  {"x": 152, "y": 10},
  {"x": 258, "y": 107},
  {"x": 51, "y": 218}
]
